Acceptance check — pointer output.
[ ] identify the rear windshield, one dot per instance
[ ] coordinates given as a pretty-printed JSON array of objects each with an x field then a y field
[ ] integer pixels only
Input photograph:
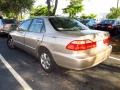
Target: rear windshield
[
  {"x": 107, "y": 22},
  {"x": 5, "y": 21},
  {"x": 66, "y": 24}
]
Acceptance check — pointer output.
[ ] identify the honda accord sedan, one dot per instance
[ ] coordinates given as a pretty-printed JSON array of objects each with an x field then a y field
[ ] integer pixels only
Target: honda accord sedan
[{"x": 61, "y": 41}]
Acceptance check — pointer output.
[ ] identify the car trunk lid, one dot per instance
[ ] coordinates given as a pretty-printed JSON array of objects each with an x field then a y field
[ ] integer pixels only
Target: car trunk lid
[{"x": 91, "y": 36}]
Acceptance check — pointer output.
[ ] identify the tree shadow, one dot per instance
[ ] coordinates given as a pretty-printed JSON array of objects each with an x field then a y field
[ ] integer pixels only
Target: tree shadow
[
  {"x": 109, "y": 68},
  {"x": 84, "y": 81}
]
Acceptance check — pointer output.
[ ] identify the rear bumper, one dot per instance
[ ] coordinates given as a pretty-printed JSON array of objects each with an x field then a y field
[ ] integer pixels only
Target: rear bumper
[{"x": 79, "y": 63}]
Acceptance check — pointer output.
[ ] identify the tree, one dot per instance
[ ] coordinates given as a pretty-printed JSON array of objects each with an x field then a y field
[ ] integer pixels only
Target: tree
[
  {"x": 74, "y": 8},
  {"x": 12, "y": 8},
  {"x": 39, "y": 11},
  {"x": 91, "y": 16},
  {"x": 117, "y": 6},
  {"x": 114, "y": 13},
  {"x": 52, "y": 8}
]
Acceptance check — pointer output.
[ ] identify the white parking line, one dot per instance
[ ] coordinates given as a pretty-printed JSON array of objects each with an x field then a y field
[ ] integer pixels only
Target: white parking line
[
  {"x": 22, "y": 82},
  {"x": 114, "y": 58}
]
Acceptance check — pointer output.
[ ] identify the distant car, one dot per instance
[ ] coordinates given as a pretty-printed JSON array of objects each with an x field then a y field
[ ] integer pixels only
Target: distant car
[
  {"x": 61, "y": 41},
  {"x": 88, "y": 22},
  {"x": 6, "y": 25},
  {"x": 110, "y": 25}
]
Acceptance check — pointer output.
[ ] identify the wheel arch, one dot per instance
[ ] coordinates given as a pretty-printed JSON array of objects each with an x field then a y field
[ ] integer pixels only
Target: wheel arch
[
  {"x": 42, "y": 48},
  {"x": 9, "y": 36}
]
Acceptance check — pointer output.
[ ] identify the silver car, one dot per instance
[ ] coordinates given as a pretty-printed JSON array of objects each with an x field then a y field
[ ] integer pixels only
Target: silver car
[
  {"x": 61, "y": 41},
  {"x": 7, "y": 25}
]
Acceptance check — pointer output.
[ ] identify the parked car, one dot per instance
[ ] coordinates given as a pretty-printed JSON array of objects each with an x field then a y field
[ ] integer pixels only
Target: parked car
[
  {"x": 88, "y": 22},
  {"x": 110, "y": 25},
  {"x": 6, "y": 25},
  {"x": 61, "y": 41}
]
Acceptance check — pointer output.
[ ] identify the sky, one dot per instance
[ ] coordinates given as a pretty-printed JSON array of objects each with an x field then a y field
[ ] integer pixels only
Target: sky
[{"x": 98, "y": 7}]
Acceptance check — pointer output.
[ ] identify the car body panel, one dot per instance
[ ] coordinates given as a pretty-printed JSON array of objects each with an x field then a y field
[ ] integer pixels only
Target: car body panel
[{"x": 32, "y": 41}]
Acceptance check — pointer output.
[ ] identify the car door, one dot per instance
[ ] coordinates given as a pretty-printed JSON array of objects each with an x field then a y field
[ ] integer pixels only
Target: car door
[
  {"x": 35, "y": 35},
  {"x": 19, "y": 34}
]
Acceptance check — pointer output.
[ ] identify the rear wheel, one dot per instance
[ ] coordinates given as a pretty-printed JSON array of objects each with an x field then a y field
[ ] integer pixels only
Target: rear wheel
[
  {"x": 46, "y": 61},
  {"x": 10, "y": 43}
]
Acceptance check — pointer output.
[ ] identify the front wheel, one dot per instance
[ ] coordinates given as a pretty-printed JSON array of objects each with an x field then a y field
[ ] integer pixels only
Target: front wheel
[
  {"x": 10, "y": 43},
  {"x": 46, "y": 61}
]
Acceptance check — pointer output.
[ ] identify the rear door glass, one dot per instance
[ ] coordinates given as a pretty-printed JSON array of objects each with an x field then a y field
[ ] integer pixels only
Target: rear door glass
[{"x": 36, "y": 26}]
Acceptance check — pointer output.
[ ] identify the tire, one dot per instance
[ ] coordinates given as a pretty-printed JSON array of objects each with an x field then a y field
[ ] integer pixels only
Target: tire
[
  {"x": 10, "y": 43},
  {"x": 46, "y": 61}
]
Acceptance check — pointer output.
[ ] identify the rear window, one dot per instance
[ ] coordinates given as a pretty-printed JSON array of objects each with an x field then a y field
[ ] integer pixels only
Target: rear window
[
  {"x": 5, "y": 21},
  {"x": 107, "y": 22},
  {"x": 66, "y": 24}
]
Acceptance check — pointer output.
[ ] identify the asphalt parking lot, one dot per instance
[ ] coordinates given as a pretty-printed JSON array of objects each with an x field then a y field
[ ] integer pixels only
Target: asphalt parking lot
[{"x": 21, "y": 71}]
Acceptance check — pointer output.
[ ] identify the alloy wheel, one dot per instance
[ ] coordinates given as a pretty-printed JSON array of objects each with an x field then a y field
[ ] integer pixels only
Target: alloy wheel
[{"x": 45, "y": 61}]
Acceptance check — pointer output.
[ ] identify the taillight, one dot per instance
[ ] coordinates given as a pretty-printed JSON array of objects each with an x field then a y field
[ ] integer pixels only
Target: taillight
[
  {"x": 77, "y": 45},
  {"x": 107, "y": 41},
  {"x": 110, "y": 26}
]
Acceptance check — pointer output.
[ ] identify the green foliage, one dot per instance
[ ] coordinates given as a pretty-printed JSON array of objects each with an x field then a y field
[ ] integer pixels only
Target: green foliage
[
  {"x": 91, "y": 16},
  {"x": 114, "y": 13},
  {"x": 12, "y": 8},
  {"x": 39, "y": 11},
  {"x": 74, "y": 8}
]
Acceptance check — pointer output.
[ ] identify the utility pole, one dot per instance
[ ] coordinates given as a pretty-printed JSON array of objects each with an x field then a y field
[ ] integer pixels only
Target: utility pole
[
  {"x": 118, "y": 4},
  {"x": 117, "y": 7}
]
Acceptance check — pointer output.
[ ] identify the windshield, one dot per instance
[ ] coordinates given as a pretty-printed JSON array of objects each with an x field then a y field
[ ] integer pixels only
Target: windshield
[
  {"x": 107, "y": 22},
  {"x": 66, "y": 24}
]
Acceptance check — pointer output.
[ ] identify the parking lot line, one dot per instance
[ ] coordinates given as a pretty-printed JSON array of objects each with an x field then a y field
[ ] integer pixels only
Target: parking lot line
[
  {"x": 22, "y": 82},
  {"x": 114, "y": 58}
]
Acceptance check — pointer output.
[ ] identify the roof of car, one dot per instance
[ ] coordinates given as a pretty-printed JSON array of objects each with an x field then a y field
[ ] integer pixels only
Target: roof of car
[{"x": 48, "y": 16}]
